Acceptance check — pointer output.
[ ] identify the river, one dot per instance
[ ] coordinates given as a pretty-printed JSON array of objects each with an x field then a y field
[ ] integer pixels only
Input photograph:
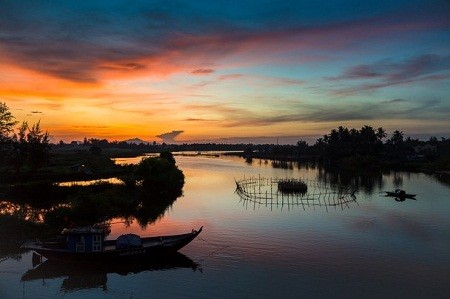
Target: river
[{"x": 327, "y": 245}]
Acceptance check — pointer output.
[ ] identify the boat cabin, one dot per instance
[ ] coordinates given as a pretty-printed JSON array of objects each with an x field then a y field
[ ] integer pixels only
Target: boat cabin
[{"x": 84, "y": 239}]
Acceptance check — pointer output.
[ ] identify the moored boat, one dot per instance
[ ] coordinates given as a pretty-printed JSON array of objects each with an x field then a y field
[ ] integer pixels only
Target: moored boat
[
  {"x": 88, "y": 244},
  {"x": 400, "y": 194}
]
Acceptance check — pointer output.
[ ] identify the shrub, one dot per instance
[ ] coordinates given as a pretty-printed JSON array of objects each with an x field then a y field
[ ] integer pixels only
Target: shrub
[
  {"x": 158, "y": 175},
  {"x": 292, "y": 186}
]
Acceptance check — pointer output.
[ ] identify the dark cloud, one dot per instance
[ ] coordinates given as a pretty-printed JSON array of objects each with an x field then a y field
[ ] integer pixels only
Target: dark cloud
[
  {"x": 395, "y": 101},
  {"x": 391, "y": 70},
  {"x": 416, "y": 66},
  {"x": 203, "y": 84},
  {"x": 169, "y": 137},
  {"x": 386, "y": 73},
  {"x": 347, "y": 91},
  {"x": 230, "y": 77},
  {"x": 199, "y": 119},
  {"x": 287, "y": 81},
  {"x": 359, "y": 72},
  {"x": 202, "y": 71},
  {"x": 334, "y": 112},
  {"x": 263, "y": 80},
  {"x": 91, "y": 127},
  {"x": 125, "y": 66}
]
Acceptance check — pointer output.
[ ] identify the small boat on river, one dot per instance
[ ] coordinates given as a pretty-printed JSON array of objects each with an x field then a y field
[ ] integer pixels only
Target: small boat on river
[
  {"x": 88, "y": 244},
  {"x": 400, "y": 194}
]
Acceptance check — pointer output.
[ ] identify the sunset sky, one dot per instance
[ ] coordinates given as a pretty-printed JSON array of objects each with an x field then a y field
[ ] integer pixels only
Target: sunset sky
[{"x": 225, "y": 69}]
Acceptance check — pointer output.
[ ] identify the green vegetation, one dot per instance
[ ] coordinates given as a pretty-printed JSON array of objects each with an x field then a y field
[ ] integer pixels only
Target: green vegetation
[
  {"x": 158, "y": 175},
  {"x": 292, "y": 186}
]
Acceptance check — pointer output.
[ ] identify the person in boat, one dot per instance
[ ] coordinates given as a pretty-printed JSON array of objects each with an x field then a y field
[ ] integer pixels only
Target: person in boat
[{"x": 400, "y": 192}]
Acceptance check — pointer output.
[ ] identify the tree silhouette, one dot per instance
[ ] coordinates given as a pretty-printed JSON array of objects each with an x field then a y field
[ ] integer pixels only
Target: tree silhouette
[
  {"x": 31, "y": 145},
  {"x": 397, "y": 137},
  {"x": 7, "y": 123},
  {"x": 20, "y": 154},
  {"x": 39, "y": 146},
  {"x": 344, "y": 143},
  {"x": 168, "y": 156}
]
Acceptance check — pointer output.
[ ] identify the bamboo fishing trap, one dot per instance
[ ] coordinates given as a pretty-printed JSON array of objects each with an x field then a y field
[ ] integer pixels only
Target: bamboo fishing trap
[{"x": 266, "y": 192}]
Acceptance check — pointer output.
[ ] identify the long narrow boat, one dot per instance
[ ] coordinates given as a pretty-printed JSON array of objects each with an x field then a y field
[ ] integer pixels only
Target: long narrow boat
[{"x": 87, "y": 244}]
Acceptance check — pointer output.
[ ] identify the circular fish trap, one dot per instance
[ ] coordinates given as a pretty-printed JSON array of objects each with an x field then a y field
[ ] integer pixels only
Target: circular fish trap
[{"x": 292, "y": 192}]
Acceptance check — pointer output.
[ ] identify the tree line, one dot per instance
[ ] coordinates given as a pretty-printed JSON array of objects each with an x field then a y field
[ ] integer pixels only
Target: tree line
[
  {"x": 28, "y": 148},
  {"x": 359, "y": 146}
]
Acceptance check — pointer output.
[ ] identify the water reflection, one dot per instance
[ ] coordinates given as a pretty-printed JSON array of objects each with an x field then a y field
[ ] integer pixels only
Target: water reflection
[
  {"x": 95, "y": 275},
  {"x": 23, "y": 211},
  {"x": 400, "y": 199},
  {"x": 363, "y": 181},
  {"x": 282, "y": 164},
  {"x": 397, "y": 180},
  {"x": 443, "y": 178},
  {"x": 19, "y": 222},
  {"x": 91, "y": 182},
  {"x": 10, "y": 250}
]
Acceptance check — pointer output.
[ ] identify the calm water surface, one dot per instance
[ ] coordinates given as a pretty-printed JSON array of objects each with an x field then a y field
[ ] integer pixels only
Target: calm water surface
[{"x": 373, "y": 246}]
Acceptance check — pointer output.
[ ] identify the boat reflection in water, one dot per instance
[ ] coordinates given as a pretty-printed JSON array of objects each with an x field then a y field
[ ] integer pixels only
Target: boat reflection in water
[{"x": 89, "y": 275}]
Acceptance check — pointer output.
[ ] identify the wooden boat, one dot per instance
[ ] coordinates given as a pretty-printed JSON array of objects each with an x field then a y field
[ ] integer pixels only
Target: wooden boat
[
  {"x": 400, "y": 194},
  {"x": 87, "y": 244}
]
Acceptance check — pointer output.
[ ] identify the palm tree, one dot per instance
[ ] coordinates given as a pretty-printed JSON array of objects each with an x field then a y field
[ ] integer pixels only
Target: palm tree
[
  {"x": 397, "y": 137},
  {"x": 7, "y": 122}
]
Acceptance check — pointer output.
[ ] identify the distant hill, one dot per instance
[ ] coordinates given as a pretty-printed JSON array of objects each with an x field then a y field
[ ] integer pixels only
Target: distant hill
[{"x": 136, "y": 141}]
